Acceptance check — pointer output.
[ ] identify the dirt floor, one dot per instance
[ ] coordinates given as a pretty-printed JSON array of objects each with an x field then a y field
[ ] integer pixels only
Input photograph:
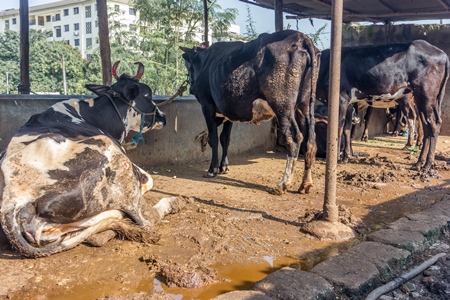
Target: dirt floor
[{"x": 233, "y": 233}]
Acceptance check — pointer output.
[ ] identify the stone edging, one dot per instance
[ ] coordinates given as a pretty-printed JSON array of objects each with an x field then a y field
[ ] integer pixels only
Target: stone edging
[{"x": 362, "y": 268}]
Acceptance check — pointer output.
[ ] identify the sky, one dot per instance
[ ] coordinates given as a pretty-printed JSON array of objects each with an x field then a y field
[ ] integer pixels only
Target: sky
[{"x": 264, "y": 18}]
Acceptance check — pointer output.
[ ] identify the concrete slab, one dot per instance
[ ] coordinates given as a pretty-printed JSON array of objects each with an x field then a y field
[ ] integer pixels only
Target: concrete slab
[
  {"x": 390, "y": 261},
  {"x": 293, "y": 284},
  {"x": 411, "y": 241},
  {"x": 243, "y": 295},
  {"x": 354, "y": 276},
  {"x": 425, "y": 222}
]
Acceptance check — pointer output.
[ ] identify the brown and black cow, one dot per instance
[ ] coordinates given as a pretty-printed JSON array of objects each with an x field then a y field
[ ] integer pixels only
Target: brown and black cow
[
  {"x": 65, "y": 176},
  {"x": 381, "y": 75},
  {"x": 272, "y": 76}
]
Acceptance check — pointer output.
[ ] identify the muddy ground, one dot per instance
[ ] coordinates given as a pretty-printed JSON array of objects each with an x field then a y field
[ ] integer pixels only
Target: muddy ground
[{"x": 232, "y": 233}]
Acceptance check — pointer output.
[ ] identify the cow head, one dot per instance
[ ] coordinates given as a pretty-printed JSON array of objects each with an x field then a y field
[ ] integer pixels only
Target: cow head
[
  {"x": 191, "y": 60},
  {"x": 133, "y": 100}
]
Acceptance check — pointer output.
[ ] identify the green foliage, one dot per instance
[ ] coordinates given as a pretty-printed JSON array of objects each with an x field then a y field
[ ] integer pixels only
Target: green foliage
[
  {"x": 250, "y": 27},
  {"x": 45, "y": 64},
  {"x": 164, "y": 25},
  {"x": 315, "y": 37},
  {"x": 414, "y": 150}
]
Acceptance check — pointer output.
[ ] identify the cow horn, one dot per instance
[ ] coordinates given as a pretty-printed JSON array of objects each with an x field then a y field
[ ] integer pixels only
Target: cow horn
[
  {"x": 114, "y": 69},
  {"x": 140, "y": 70}
]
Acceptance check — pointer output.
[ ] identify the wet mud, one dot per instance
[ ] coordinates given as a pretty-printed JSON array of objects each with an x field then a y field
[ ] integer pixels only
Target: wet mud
[{"x": 233, "y": 232}]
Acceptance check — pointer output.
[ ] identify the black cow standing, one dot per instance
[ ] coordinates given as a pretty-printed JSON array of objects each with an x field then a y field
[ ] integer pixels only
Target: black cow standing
[
  {"x": 380, "y": 75},
  {"x": 273, "y": 75}
]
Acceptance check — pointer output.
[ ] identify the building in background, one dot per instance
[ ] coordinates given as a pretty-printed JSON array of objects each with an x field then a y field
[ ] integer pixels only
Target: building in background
[{"x": 72, "y": 21}]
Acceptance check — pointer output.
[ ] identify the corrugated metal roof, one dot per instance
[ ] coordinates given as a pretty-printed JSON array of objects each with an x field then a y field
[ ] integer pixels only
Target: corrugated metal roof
[{"x": 384, "y": 11}]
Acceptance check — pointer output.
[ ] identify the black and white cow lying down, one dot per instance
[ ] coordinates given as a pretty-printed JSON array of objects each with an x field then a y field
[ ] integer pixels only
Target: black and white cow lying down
[
  {"x": 65, "y": 176},
  {"x": 272, "y": 76},
  {"x": 380, "y": 75}
]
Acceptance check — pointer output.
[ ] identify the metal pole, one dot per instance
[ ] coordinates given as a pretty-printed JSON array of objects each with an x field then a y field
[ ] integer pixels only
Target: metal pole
[
  {"x": 24, "y": 86},
  {"x": 205, "y": 14},
  {"x": 278, "y": 7},
  {"x": 105, "y": 47},
  {"x": 330, "y": 210}
]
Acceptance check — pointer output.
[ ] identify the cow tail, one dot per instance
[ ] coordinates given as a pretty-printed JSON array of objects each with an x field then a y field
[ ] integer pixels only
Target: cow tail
[
  {"x": 441, "y": 94},
  {"x": 12, "y": 229},
  {"x": 315, "y": 61},
  {"x": 9, "y": 219}
]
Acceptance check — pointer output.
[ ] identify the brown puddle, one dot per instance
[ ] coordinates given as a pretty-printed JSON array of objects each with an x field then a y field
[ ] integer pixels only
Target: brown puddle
[{"x": 230, "y": 277}]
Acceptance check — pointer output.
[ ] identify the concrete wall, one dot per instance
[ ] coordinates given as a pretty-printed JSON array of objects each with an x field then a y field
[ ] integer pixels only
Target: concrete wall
[
  {"x": 437, "y": 35},
  {"x": 170, "y": 145}
]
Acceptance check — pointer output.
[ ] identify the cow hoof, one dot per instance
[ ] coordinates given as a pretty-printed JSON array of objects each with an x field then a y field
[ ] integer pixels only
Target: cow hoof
[
  {"x": 209, "y": 175},
  {"x": 224, "y": 170},
  {"x": 305, "y": 188},
  {"x": 278, "y": 191}
]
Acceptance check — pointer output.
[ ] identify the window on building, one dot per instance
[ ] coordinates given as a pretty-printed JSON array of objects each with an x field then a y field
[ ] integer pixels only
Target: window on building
[
  {"x": 96, "y": 23},
  {"x": 14, "y": 21},
  {"x": 88, "y": 27},
  {"x": 88, "y": 11},
  {"x": 132, "y": 12},
  {"x": 89, "y": 56},
  {"x": 76, "y": 26},
  {"x": 66, "y": 12},
  {"x": 88, "y": 42},
  {"x": 116, "y": 8},
  {"x": 76, "y": 42},
  {"x": 76, "y": 10},
  {"x": 6, "y": 24},
  {"x": 68, "y": 42},
  {"x": 58, "y": 17},
  {"x": 48, "y": 18},
  {"x": 66, "y": 28},
  {"x": 40, "y": 21},
  {"x": 58, "y": 32}
]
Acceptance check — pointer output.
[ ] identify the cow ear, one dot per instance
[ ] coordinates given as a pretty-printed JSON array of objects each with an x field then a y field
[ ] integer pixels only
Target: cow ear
[
  {"x": 184, "y": 49},
  {"x": 131, "y": 91},
  {"x": 97, "y": 89}
]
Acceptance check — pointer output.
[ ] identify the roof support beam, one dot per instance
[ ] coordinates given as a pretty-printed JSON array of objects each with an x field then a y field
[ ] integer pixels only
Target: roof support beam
[
  {"x": 278, "y": 7},
  {"x": 387, "y": 5},
  {"x": 444, "y": 4},
  {"x": 330, "y": 209},
  {"x": 375, "y": 17}
]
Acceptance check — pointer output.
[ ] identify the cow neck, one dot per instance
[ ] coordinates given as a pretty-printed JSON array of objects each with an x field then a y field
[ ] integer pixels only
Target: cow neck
[
  {"x": 139, "y": 137},
  {"x": 117, "y": 111}
]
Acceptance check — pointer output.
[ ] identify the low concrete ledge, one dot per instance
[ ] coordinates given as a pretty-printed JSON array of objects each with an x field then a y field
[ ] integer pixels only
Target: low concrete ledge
[
  {"x": 354, "y": 276},
  {"x": 293, "y": 284},
  {"x": 408, "y": 240},
  {"x": 173, "y": 144},
  {"x": 390, "y": 261}
]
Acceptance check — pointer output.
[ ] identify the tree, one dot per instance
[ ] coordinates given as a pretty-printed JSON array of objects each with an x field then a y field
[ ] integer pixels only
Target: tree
[
  {"x": 45, "y": 64},
  {"x": 250, "y": 27}
]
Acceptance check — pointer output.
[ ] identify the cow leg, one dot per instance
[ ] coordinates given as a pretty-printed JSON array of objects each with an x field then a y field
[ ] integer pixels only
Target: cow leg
[
  {"x": 398, "y": 117},
  {"x": 431, "y": 132},
  {"x": 293, "y": 138},
  {"x": 225, "y": 143},
  {"x": 213, "y": 140},
  {"x": 419, "y": 139},
  {"x": 310, "y": 158},
  {"x": 348, "y": 151},
  {"x": 367, "y": 118}
]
